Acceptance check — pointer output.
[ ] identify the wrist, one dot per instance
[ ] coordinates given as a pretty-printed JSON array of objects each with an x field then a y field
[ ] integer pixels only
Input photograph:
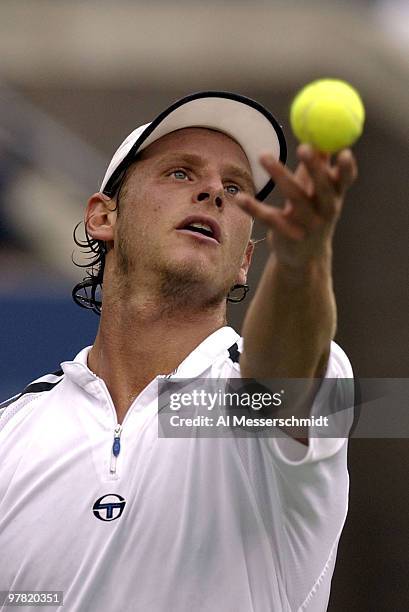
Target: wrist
[{"x": 305, "y": 270}]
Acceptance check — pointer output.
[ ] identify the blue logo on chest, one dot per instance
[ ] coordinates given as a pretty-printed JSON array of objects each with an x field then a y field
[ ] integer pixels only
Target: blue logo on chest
[{"x": 109, "y": 507}]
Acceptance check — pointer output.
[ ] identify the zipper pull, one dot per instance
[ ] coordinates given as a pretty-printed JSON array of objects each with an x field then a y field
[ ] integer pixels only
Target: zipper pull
[{"x": 116, "y": 448}]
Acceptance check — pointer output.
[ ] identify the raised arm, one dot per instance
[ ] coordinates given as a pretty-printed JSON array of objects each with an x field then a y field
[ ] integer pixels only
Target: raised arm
[{"x": 291, "y": 320}]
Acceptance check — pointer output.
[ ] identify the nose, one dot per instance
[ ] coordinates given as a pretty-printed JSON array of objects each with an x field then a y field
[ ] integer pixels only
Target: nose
[
  {"x": 204, "y": 195},
  {"x": 212, "y": 193}
]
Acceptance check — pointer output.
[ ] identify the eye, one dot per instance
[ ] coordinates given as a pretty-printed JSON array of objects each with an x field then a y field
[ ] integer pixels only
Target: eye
[
  {"x": 180, "y": 174},
  {"x": 232, "y": 189}
]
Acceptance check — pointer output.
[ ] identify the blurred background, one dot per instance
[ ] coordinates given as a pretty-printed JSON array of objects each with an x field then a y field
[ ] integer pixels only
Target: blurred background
[{"x": 76, "y": 77}]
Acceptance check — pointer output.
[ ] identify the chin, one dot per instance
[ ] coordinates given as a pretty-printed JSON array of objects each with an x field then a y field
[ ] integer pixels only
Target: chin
[
  {"x": 188, "y": 271},
  {"x": 189, "y": 277}
]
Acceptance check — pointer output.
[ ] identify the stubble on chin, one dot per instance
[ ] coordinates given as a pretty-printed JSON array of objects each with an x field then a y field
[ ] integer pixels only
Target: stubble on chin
[
  {"x": 179, "y": 285},
  {"x": 185, "y": 288}
]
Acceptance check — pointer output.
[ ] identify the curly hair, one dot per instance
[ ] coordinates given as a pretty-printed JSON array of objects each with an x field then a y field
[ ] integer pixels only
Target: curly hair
[
  {"x": 95, "y": 268},
  {"x": 95, "y": 272},
  {"x": 85, "y": 292}
]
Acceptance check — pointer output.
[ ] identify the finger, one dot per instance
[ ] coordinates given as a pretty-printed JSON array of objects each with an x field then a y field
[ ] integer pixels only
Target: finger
[
  {"x": 289, "y": 229},
  {"x": 307, "y": 214},
  {"x": 284, "y": 179},
  {"x": 296, "y": 187},
  {"x": 303, "y": 178},
  {"x": 255, "y": 208},
  {"x": 272, "y": 217},
  {"x": 317, "y": 165},
  {"x": 346, "y": 171}
]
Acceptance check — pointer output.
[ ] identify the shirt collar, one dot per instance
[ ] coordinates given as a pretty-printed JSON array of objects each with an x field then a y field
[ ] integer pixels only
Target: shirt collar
[
  {"x": 207, "y": 352},
  {"x": 199, "y": 360}
]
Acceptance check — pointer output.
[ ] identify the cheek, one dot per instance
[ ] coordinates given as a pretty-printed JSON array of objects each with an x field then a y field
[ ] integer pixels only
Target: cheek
[
  {"x": 239, "y": 236},
  {"x": 143, "y": 223},
  {"x": 152, "y": 208}
]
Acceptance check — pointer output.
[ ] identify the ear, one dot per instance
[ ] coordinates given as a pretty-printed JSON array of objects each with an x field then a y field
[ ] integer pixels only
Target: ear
[
  {"x": 100, "y": 217},
  {"x": 245, "y": 264}
]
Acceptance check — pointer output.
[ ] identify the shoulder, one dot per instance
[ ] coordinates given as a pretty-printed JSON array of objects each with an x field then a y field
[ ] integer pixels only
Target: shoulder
[
  {"x": 338, "y": 362},
  {"x": 339, "y": 365},
  {"x": 34, "y": 389},
  {"x": 227, "y": 364}
]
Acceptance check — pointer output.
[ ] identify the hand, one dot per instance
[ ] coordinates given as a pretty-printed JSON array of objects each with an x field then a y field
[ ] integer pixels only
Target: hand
[{"x": 314, "y": 194}]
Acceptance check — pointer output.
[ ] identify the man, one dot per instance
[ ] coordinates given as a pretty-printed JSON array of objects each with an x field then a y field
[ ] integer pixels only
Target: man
[{"x": 93, "y": 502}]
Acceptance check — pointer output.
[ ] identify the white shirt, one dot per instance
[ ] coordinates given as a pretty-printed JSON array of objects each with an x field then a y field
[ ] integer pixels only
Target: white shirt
[{"x": 209, "y": 524}]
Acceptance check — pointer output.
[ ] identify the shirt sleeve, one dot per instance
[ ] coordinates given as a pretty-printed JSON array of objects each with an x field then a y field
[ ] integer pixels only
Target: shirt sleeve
[
  {"x": 313, "y": 488},
  {"x": 302, "y": 491},
  {"x": 335, "y": 400}
]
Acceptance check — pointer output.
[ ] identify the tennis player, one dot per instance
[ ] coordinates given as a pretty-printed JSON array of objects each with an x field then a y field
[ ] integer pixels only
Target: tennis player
[{"x": 95, "y": 506}]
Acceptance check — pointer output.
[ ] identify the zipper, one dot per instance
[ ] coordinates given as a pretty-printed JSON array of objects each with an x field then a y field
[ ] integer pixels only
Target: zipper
[
  {"x": 116, "y": 445},
  {"x": 116, "y": 448}
]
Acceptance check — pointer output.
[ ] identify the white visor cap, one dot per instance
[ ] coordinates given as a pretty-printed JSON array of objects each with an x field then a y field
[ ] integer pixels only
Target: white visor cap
[{"x": 252, "y": 126}]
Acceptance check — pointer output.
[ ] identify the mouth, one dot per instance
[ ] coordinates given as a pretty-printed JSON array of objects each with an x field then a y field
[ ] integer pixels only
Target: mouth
[{"x": 201, "y": 227}]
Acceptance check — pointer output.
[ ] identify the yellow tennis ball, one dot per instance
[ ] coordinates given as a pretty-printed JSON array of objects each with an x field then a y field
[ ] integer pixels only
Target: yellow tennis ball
[{"x": 328, "y": 114}]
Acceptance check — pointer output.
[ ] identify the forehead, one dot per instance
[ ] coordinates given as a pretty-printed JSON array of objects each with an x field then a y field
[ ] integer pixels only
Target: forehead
[{"x": 198, "y": 140}]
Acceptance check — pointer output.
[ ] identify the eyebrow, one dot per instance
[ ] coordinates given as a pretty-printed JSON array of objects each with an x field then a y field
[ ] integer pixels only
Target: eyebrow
[{"x": 195, "y": 160}]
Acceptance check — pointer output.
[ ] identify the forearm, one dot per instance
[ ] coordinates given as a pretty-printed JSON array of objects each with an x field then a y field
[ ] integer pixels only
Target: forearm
[{"x": 290, "y": 321}]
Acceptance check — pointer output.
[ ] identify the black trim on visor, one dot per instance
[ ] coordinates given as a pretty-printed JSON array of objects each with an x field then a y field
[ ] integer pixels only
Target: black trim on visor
[{"x": 112, "y": 182}]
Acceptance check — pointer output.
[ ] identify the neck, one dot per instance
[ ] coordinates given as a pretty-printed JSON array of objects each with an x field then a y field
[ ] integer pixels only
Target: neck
[{"x": 143, "y": 335}]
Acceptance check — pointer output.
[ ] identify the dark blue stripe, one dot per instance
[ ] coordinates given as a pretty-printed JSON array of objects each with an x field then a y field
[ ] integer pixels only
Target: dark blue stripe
[
  {"x": 34, "y": 388},
  {"x": 234, "y": 353}
]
